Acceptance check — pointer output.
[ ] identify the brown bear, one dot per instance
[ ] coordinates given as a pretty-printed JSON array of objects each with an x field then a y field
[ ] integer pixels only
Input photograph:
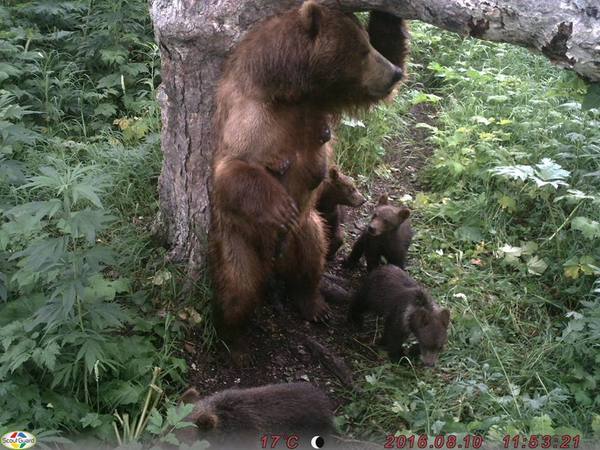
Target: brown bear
[
  {"x": 335, "y": 192},
  {"x": 388, "y": 234},
  {"x": 407, "y": 308},
  {"x": 281, "y": 88},
  {"x": 243, "y": 416}
]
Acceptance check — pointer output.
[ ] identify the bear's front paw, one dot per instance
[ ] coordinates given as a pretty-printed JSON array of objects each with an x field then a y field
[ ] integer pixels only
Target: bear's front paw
[
  {"x": 284, "y": 215},
  {"x": 317, "y": 310}
]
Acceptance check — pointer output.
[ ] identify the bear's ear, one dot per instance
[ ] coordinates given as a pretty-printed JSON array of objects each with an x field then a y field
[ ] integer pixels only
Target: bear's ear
[
  {"x": 403, "y": 214},
  {"x": 445, "y": 317},
  {"x": 310, "y": 15},
  {"x": 190, "y": 396},
  {"x": 207, "y": 421},
  {"x": 383, "y": 200},
  {"x": 333, "y": 173}
]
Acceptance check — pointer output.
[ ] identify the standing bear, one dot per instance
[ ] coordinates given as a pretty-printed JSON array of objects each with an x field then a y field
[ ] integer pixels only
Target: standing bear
[
  {"x": 335, "y": 192},
  {"x": 282, "y": 89},
  {"x": 389, "y": 235}
]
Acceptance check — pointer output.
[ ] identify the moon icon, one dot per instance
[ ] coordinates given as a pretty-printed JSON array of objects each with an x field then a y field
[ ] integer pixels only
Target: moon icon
[{"x": 317, "y": 442}]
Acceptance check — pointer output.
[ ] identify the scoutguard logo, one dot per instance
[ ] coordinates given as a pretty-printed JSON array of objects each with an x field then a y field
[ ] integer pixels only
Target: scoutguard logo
[{"x": 18, "y": 439}]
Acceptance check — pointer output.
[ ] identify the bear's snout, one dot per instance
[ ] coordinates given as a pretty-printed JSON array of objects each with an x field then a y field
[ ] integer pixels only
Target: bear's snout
[
  {"x": 398, "y": 75},
  {"x": 381, "y": 75}
]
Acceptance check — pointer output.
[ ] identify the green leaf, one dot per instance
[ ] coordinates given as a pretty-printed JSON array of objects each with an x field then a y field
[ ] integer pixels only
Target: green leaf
[
  {"x": 16, "y": 355},
  {"x": 98, "y": 257},
  {"x": 42, "y": 255},
  {"x": 528, "y": 248},
  {"x": 571, "y": 268},
  {"x": 549, "y": 170},
  {"x": 91, "y": 420},
  {"x": 12, "y": 172},
  {"x": 86, "y": 191},
  {"x": 134, "y": 69},
  {"x": 105, "y": 315},
  {"x": 91, "y": 351},
  {"x": 114, "y": 55},
  {"x": 105, "y": 109},
  {"x": 541, "y": 425},
  {"x": 105, "y": 289},
  {"x": 422, "y": 97},
  {"x": 161, "y": 277},
  {"x": 469, "y": 234},
  {"x": 176, "y": 414},
  {"x": 519, "y": 172},
  {"x": 511, "y": 254},
  {"x": 46, "y": 356},
  {"x": 8, "y": 70},
  {"x": 155, "y": 423},
  {"x": 507, "y": 203},
  {"x": 109, "y": 81},
  {"x": 588, "y": 227},
  {"x": 536, "y": 266},
  {"x": 121, "y": 392},
  {"x": 37, "y": 209},
  {"x": 86, "y": 223},
  {"x": 589, "y": 266}
]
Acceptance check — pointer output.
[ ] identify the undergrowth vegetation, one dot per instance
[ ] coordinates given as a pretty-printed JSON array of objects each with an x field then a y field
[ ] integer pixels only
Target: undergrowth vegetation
[
  {"x": 80, "y": 282},
  {"x": 508, "y": 238},
  {"x": 508, "y": 231}
]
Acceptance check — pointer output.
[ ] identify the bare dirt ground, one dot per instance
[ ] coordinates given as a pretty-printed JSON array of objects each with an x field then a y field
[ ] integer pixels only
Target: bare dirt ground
[{"x": 282, "y": 344}]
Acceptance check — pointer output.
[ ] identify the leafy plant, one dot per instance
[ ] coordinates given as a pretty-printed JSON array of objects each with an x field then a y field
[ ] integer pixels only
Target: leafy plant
[
  {"x": 79, "y": 334},
  {"x": 507, "y": 238}
]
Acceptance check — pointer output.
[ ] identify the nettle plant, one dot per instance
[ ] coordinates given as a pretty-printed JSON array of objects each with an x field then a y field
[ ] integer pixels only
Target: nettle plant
[
  {"x": 58, "y": 296},
  {"x": 67, "y": 357}
]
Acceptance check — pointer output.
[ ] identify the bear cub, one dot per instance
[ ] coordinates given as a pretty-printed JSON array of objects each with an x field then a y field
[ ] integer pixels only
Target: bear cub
[
  {"x": 407, "y": 308},
  {"x": 238, "y": 416},
  {"x": 388, "y": 234},
  {"x": 336, "y": 191}
]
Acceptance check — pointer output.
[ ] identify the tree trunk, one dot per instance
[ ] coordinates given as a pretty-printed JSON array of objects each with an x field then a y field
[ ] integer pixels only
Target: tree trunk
[{"x": 195, "y": 36}]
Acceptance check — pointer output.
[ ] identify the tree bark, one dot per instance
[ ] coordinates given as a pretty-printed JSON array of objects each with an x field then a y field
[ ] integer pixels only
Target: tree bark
[{"x": 195, "y": 36}]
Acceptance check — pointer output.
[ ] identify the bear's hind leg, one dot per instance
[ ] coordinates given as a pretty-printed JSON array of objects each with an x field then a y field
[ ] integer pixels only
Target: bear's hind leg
[
  {"x": 239, "y": 279},
  {"x": 302, "y": 266}
]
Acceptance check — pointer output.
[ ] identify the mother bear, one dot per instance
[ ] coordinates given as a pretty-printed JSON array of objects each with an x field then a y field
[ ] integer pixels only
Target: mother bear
[{"x": 282, "y": 88}]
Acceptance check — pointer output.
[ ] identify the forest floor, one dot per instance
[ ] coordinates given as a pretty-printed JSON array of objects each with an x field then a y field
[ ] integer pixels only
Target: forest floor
[{"x": 281, "y": 343}]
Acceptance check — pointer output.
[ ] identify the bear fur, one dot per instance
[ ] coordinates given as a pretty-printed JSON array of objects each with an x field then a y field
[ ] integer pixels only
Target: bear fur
[
  {"x": 242, "y": 416},
  {"x": 388, "y": 234},
  {"x": 335, "y": 192},
  {"x": 282, "y": 88},
  {"x": 407, "y": 308}
]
